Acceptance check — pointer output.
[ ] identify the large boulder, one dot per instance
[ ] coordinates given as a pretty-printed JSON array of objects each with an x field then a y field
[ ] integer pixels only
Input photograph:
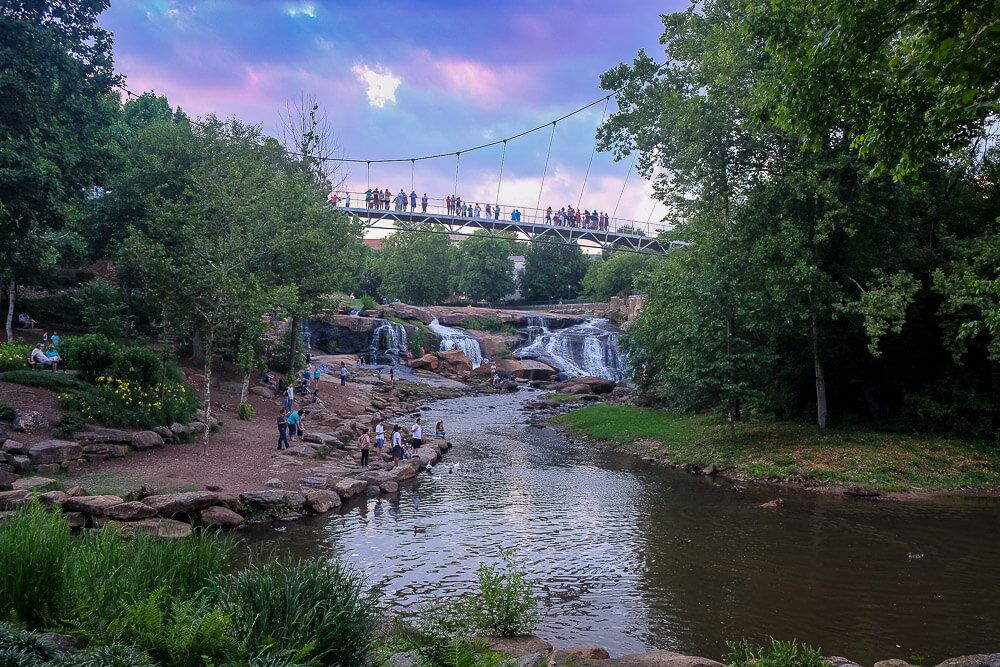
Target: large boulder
[
  {"x": 454, "y": 361},
  {"x": 263, "y": 392},
  {"x": 99, "y": 435},
  {"x": 170, "y": 504},
  {"x": 11, "y": 499},
  {"x": 166, "y": 528},
  {"x": 651, "y": 659},
  {"x": 321, "y": 501},
  {"x": 146, "y": 440},
  {"x": 516, "y": 647},
  {"x": 15, "y": 448},
  {"x": 349, "y": 487},
  {"x": 130, "y": 511},
  {"x": 30, "y": 483},
  {"x": 529, "y": 369},
  {"x": 54, "y": 451},
  {"x": 271, "y": 499},
  {"x": 30, "y": 421},
  {"x": 220, "y": 517},
  {"x": 428, "y": 362},
  {"x": 492, "y": 343},
  {"x": 405, "y": 311},
  {"x": 93, "y": 505},
  {"x": 597, "y": 385},
  {"x": 979, "y": 660},
  {"x": 7, "y": 479},
  {"x": 406, "y": 470}
]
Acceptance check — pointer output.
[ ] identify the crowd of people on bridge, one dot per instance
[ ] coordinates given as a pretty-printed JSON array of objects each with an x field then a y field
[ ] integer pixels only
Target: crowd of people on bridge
[{"x": 567, "y": 216}]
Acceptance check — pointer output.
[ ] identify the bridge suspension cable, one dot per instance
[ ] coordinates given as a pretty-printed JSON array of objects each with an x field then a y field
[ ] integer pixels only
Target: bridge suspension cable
[
  {"x": 503, "y": 156},
  {"x": 607, "y": 101},
  {"x": 546, "y": 167}
]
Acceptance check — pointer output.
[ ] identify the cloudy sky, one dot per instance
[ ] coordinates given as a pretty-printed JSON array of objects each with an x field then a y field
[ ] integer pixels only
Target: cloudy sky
[{"x": 409, "y": 77}]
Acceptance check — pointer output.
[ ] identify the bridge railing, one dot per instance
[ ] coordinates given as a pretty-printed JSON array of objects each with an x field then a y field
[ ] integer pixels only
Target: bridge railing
[{"x": 528, "y": 215}]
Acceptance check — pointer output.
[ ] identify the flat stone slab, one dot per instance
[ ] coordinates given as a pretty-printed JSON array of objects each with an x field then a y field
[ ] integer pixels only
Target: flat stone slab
[
  {"x": 94, "y": 435},
  {"x": 30, "y": 483},
  {"x": 11, "y": 499},
  {"x": 169, "y": 504},
  {"x": 54, "y": 451},
  {"x": 94, "y": 505},
  {"x": 130, "y": 511},
  {"x": 165, "y": 528},
  {"x": 348, "y": 487},
  {"x": 220, "y": 517},
  {"x": 273, "y": 498}
]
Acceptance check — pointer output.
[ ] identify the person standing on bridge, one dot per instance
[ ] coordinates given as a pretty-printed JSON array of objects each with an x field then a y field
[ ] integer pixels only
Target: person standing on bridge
[
  {"x": 413, "y": 200},
  {"x": 462, "y": 208},
  {"x": 368, "y": 198},
  {"x": 489, "y": 213},
  {"x": 448, "y": 205},
  {"x": 479, "y": 211},
  {"x": 347, "y": 200},
  {"x": 496, "y": 212},
  {"x": 548, "y": 216},
  {"x": 423, "y": 203}
]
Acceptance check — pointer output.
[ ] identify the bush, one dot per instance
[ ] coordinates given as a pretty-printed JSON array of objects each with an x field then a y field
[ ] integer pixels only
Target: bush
[
  {"x": 46, "y": 380},
  {"x": 368, "y": 302},
  {"x": 317, "y": 610},
  {"x": 113, "y": 655},
  {"x": 177, "y": 632},
  {"x": 777, "y": 654},
  {"x": 68, "y": 425},
  {"x": 489, "y": 323},
  {"x": 138, "y": 364},
  {"x": 246, "y": 411},
  {"x": 7, "y": 412},
  {"x": 123, "y": 403},
  {"x": 34, "y": 548},
  {"x": 91, "y": 355},
  {"x": 24, "y": 647},
  {"x": 102, "y": 308},
  {"x": 13, "y": 356},
  {"x": 506, "y": 605}
]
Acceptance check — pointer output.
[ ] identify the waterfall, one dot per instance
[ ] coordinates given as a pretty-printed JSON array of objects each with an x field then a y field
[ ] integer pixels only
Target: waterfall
[
  {"x": 458, "y": 339},
  {"x": 589, "y": 348},
  {"x": 390, "y": 338}
]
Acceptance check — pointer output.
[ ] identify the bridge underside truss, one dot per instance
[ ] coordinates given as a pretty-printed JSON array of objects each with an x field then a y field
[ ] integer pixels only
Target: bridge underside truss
[{"x": 465, "y": 226}]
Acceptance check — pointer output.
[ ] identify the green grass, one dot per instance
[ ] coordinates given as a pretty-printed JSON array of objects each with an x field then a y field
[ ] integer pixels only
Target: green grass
[
  {"x": 559, "y": 397},
  {"x": 46, "y": 379},
  {"x": 793, "y": 450}
]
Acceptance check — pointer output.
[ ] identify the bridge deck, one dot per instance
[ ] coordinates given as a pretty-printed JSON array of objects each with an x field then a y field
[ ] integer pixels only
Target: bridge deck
[{"x": 456, "y": 224}]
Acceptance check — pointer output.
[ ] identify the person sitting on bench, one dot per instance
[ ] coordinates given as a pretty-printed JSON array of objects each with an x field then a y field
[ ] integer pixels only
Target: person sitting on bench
[
  {"x": 25, "y": 321},
  {"x": 38, "y": 357}
]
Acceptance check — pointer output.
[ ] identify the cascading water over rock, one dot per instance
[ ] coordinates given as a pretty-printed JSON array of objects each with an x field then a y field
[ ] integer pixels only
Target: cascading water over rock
[
  {"x": 588, "y": 348},
  {"x": 389, "y": 338},
  {"x": 458, "y": 339}
]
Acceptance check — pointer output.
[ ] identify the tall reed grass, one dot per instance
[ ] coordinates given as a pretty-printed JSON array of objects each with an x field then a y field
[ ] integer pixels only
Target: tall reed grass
[{"x": 35, "y": 546}]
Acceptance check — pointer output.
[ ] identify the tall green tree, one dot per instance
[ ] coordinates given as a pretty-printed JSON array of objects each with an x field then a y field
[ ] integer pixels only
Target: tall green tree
[
  {"x": 56, "y": 87},
  {"x": 484, "y": 270},
  {"x": 614, "y": 275},
  {"x": 415, "y": 266},
  {"x": 552, "y": 271}
]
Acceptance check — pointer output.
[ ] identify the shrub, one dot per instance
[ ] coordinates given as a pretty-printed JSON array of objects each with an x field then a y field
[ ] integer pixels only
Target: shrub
[
  {"x": 113, "y": 655},
  {"x": 7, "y": 412},
  {"x": 95, "y": 599},
  {"x": 34, "y": 548},
  {"x": 92, "y": 355},
  {"x": 506, "y": 605},
  {"x": 46, "y": 380},
  {"x": 24, "y": 647},
  {"x": 102, "y": 308},
  {"x": 68, "y": 425},
  {"x": 14, "y": 356},
  {"x": 368, "y": 302},
  {"x": 777, "y": 654},
  {"x": 140, "y": 364},
  {"x": 489, "y": 323},
  {"x": 124, "y": 403},
  {"x": 246, "y": 411},
  {"x": 177, "y": 632},
  {"x": 318, "y": 610}
]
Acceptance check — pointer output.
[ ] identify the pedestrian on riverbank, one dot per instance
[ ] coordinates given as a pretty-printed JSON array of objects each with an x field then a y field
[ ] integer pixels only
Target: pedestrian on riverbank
[
  {"x": 397, "y": 445},
  {"x": 365, "y": 442},
  {"x": 293, "y": 423},
  {"x": 392, "y": 375},
  {"x": 343, "y": 374},
  {"x": 316, "y": 374},
  {"x": 417, "y": 434},
  {"x": 379, "y": 437},
  {"x": 439, "y": 430},
  {"x": 282, "y": 421}
]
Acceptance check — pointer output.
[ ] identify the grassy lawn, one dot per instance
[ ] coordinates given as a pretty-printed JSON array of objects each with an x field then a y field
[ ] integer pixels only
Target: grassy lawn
[{"x": 851, "y": 456}]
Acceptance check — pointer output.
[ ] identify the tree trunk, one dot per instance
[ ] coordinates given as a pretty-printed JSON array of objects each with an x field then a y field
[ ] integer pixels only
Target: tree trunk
[
  {"x": 197, "y": 347},
  {"x": 208, "y": 395},
  {"x": 822, "y": 411},
  {"x": 294, "y": 344},
  {"x": 11, "y": 289},
  {"x": 735, "y": 413},
  {"x": 246, "y": 387}
]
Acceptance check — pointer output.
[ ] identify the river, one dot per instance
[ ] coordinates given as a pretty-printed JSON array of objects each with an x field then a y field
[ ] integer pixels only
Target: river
[{"x": 631, "y": 557}]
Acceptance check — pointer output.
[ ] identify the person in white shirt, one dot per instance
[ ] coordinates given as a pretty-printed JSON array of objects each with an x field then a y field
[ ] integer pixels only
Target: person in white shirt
[
  {"x": 397, "y": 446},
  {"x": 417, "y": 434},
  {"x": 379, "y": 437},
  {"x": 38, "y": 357}
]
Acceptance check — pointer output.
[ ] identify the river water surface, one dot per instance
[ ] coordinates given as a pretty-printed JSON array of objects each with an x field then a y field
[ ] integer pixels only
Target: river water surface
[{"x": 632, "y": 557}]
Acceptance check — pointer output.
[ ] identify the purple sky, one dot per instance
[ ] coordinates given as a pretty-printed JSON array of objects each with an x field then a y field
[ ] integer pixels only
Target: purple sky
[{"x": 403, "y": 78}]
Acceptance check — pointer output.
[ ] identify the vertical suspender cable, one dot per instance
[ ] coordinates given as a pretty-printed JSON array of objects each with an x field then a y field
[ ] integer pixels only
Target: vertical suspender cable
[
  {"x": 627, "y": 174},
  {"x": 587, "y": 175},
  {"x": 458, "y": 159},
  {"x": 546, "y": 168},
  {"x": 369, "y": 178},
  {"x": 503, "y": 156},
  {"x": 412, "y": 163}
]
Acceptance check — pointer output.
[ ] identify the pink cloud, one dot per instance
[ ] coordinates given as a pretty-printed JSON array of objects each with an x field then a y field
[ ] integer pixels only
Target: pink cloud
[{"x": 479, "y": 83}]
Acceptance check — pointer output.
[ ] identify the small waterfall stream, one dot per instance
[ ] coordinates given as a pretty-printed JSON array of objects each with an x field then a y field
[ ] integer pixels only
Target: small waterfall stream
[
  {"x": 588, "y": 348},
  {"x": 458, "y": 339},
  {"x": 389, "y": 338}
]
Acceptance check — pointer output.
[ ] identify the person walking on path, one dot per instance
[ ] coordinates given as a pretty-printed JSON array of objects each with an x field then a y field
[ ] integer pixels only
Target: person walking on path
[
  {"x": 316, "y": 375},
  {"x": 379, "y": 437},
  {"x": 423, "y": 203},
  {"x": 392, "y": 375},
  {"x": 417, "y": 434},
  {"x": 365, "y": 442},
  {"x": 397, "y": 445},
  {"x": 282, "y": 422},
  {"x": 343, "y": 374},
  {"x": 293, "y": 423}
]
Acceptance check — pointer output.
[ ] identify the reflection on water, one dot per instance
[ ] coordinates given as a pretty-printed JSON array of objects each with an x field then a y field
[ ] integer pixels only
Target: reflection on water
[{"x": 631, "y": 557}]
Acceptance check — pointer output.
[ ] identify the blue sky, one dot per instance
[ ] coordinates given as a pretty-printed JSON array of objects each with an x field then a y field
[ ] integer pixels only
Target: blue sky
[{"x": 403, "y": 78}]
